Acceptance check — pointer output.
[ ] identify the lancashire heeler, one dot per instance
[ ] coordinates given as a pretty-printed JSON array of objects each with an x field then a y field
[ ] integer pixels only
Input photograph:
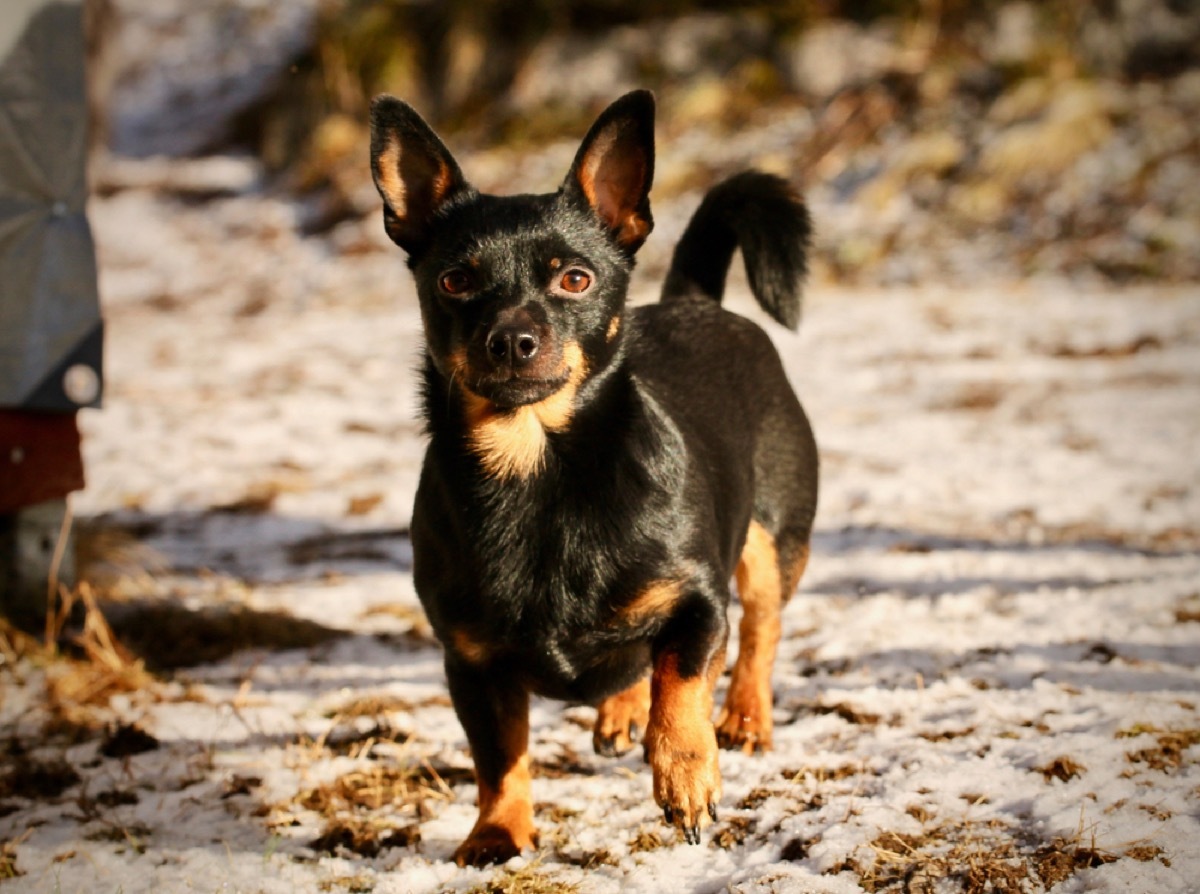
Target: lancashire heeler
[{"x": 596, "y": 474}]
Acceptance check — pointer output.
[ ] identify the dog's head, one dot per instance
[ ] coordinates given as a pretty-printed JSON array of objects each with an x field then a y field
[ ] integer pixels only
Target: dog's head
[{"x": 521, "y": 296}]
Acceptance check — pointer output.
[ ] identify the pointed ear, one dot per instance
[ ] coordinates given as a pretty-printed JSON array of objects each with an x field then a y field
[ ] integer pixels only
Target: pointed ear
[
  {"x": 614, "y": 168},
  {"x": 414, "y": 172}
]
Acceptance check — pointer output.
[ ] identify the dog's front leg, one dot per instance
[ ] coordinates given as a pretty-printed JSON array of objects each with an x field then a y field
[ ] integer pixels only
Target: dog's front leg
[
  {"x": 681, "y": 743},
  {"x": 494, "y": 712}
]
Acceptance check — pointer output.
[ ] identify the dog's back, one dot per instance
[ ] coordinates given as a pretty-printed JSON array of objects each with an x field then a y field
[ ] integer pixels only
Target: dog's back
[{"x": 718, "y": 373}]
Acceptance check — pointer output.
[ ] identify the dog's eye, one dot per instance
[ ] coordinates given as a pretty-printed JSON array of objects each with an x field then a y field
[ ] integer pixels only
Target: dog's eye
[
  {"x": 575, "y": 281},
  {"x": 455, "y": 282}
]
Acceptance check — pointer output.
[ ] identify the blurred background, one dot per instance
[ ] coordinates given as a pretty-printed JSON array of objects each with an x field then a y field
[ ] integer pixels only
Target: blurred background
[
  {"x": 1000, "y": 354},
  {"x": 936, "y": 138},
  {"x": 257, "y": 327}
]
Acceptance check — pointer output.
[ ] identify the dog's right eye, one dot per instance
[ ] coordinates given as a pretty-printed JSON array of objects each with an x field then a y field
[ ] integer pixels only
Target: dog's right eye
[{"x": 455, "y": 282}]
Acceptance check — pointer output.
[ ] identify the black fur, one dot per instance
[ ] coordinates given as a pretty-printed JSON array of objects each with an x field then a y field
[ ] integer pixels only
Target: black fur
[{"x": 681, "y": 430}]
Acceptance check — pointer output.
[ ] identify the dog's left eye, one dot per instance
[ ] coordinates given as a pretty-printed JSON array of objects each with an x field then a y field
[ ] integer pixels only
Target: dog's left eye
[
  {"x": 455, "y": 282},
  {"x": 575, "y": 281}
]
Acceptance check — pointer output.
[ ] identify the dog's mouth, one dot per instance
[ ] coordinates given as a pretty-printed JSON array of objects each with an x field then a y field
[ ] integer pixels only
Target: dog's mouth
[{"x": 511, "y": 390}]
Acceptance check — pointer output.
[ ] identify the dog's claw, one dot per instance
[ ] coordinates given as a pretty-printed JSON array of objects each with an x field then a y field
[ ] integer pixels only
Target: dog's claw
[
  {"x": 712, "y": 811},
  {"x": 669, "y": 815},
  {"x": 691, "y": 834}
]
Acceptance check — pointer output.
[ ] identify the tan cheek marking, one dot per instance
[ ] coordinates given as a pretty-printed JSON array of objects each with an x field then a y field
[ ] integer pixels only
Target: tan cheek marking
[
  {"x": 614, "y": 327},
  {"x": 555, "y": 412}
]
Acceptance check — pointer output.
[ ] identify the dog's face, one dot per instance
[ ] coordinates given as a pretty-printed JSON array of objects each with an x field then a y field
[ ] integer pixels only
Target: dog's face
[{"x": 521, "y": 296}]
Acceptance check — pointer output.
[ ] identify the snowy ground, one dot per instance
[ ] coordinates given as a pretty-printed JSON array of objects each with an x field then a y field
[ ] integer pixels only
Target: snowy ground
[{"x": 988, "y": 681}]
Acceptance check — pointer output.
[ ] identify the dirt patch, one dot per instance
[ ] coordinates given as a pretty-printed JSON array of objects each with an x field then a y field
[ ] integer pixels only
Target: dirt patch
[{"x": 168, "y": 636}]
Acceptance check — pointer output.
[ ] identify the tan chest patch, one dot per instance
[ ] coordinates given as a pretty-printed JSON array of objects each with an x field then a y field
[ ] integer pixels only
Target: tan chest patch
[{"x": 512, "y": 443}]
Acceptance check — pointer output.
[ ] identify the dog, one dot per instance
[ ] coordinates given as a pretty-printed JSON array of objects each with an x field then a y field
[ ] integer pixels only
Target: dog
[{"x": 597, "y": 474}]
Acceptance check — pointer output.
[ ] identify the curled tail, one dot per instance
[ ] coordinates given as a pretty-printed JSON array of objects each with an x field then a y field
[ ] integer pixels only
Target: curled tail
[{"x": 760, "y": 214}]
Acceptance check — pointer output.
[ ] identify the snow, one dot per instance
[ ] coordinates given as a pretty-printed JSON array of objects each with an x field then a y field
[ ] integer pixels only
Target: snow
[{"x": 1004, "y": 574}]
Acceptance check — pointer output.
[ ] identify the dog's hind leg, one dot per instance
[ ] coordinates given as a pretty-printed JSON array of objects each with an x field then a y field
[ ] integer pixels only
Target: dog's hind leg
[{"x": 765, "y": 580}]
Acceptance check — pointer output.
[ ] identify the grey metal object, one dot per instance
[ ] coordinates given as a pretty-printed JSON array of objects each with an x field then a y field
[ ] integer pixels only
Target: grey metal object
[{"x": 50, "y": 327}]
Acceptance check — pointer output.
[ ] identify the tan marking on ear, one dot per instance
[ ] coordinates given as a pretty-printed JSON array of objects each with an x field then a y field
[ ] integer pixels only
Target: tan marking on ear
[
  {"x": 629, "y": 229},
  {"x": 653, "y": 601},
  {"x": 472, "y": 649},
  {"x": 512, "y": 443},
  {"x": 634, "y": 229},
  {"x": 391, "y": 183},
  {"x": 614, "y": 326},
  {"x": 388, "y": 176},
  {"x": 591, "y": 165}
]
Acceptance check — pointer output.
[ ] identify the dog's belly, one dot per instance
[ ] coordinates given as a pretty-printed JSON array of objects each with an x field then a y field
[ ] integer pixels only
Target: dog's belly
[{"x": 583, "y": 675}]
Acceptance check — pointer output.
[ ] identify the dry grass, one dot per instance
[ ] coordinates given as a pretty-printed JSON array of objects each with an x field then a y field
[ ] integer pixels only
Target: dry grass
[
  {"x": 527, "y": 880},
  {"x": 1170, "y": 750},
  {"x": 76, "y": 684},
  {"x": 410, "y": 788},
  {"x": 1062, "y": 768},
  {"x": 8, "y": 860},
  {"x": 733, "y": 832},
  {"x": 646, "y": 839},
  {"x": 351, "y": 807},
  {"x": 976, "y": 858}
]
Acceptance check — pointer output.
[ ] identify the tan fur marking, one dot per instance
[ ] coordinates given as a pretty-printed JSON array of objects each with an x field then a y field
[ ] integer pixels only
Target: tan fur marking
[
  {"x": 633, "y": 229},
  {"x": 745, "y": 722},
  {"x": 512, "y": 443},
  {"x": 505, "y": 820},
  {"x": 614, "y": 327},
  {"x": 619, "y": 714},
  {"x": 653, "y": 601},
  {"x": 681, "y": 743},
  {"x": 475, "y": 651},
  {"x": 388, "y": 176},
  {"x": 591, "y": 165}
]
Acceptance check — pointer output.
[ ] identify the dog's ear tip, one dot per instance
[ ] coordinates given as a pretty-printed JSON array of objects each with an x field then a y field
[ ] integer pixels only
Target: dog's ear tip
[
  {"x": 388, "y": 109},
  {"x": 640, "y": 103}
]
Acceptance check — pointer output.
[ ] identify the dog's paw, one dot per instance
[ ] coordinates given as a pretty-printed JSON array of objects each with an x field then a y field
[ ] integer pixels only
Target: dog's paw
[
  {"x": 687, "y": 784},
  {"x": 745, "y": 723},
  {"x": 620, "y": 720},
  {"x": 491, "y": 843},
  {"x": 745, "y": 731}
]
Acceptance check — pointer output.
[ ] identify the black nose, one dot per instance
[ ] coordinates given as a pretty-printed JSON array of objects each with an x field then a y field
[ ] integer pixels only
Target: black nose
[{"x": 515, "y": 345}]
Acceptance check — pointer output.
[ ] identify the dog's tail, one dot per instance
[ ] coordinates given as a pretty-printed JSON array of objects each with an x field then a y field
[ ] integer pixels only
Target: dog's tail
[{"x": 760, "y": 214}]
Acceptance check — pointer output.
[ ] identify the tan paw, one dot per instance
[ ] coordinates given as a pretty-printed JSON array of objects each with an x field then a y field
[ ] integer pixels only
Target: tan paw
[
  {"x": 745, "y": 723},
  {"x": 621, "y": 719},
  {"x": 687, "y": 779}
]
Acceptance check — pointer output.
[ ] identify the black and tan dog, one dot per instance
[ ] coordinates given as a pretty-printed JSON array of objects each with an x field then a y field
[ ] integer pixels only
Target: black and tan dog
[{"x": 597, "y": 474}]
